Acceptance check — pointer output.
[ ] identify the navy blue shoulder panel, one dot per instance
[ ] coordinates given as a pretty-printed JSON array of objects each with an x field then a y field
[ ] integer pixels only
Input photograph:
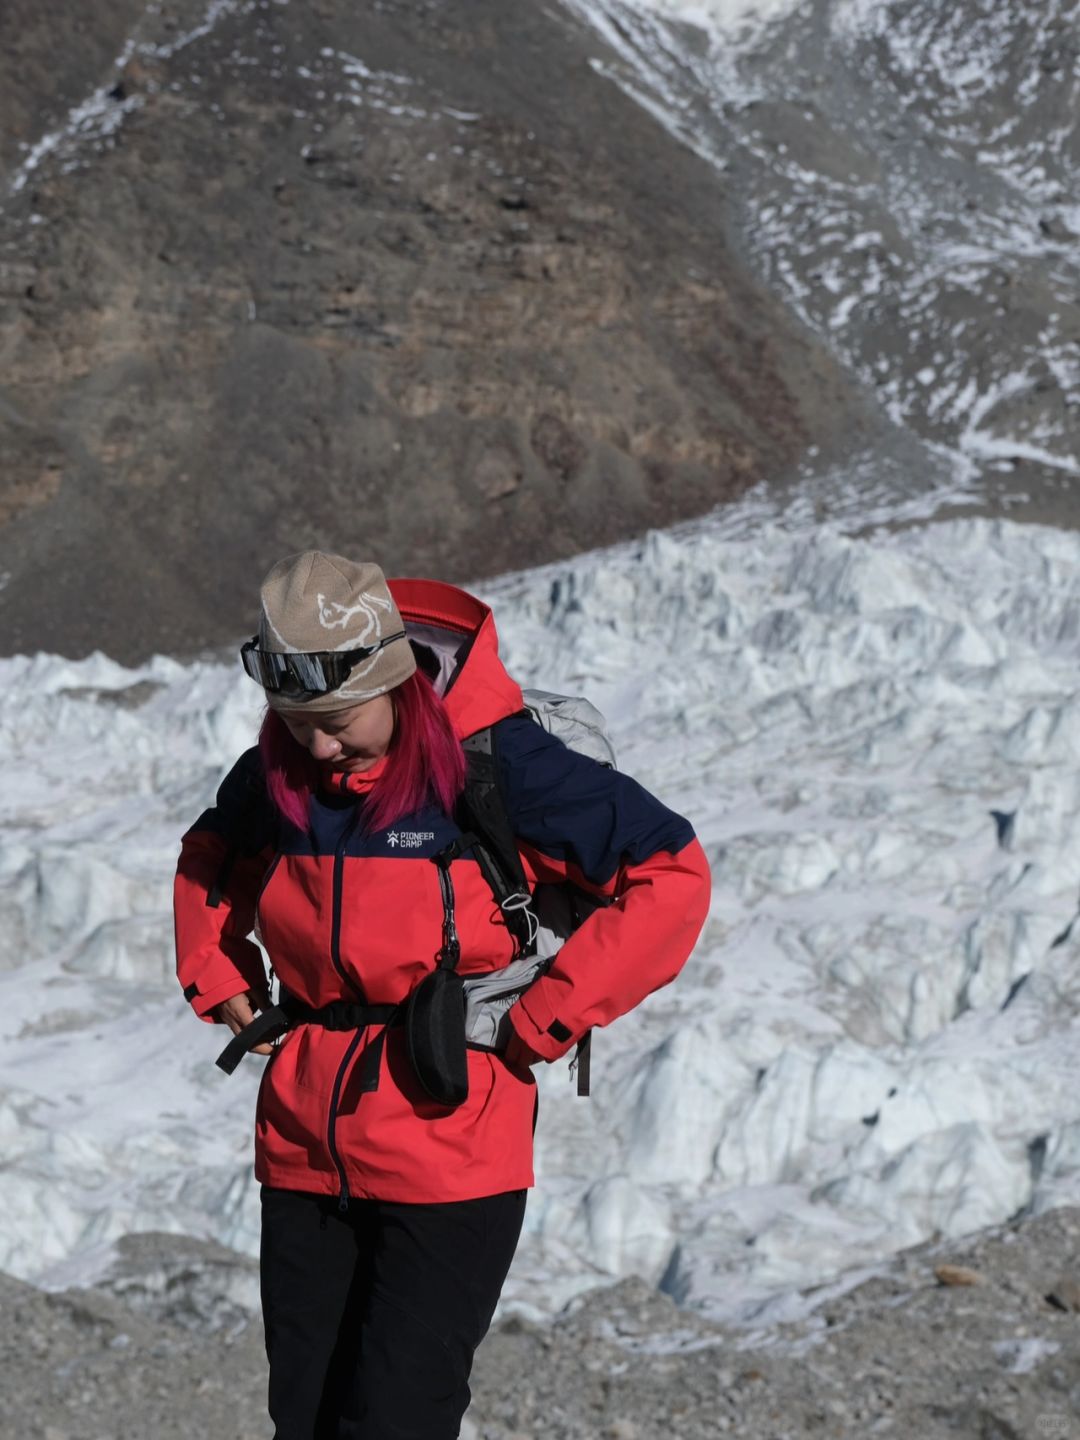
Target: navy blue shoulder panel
[
  {"x": 574, "y": 809},
  {"x": 338, "y": 820},
  {"x": 242, "y": 813}
]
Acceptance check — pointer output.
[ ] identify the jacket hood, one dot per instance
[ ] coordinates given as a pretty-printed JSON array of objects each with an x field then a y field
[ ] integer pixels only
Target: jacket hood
[
  {"x": 460, "y": 651},
  {"x": 459, "y": 631}
]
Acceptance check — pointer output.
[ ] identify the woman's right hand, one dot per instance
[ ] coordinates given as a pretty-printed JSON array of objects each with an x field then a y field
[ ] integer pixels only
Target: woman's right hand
[{"x": 240, "y": 1011}]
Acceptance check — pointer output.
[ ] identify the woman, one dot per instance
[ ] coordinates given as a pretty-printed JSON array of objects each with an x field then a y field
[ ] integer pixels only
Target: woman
[{"x": 389, "y": 1219}]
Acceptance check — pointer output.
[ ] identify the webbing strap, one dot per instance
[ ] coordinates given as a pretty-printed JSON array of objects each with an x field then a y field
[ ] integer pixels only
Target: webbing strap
[
  {"x": 497, "y": 853},
  {"x": 370, "y": 1064},
  {"x": 580, "y": 1062},
  {"x": 268, "y": 1025},
  {"x": 337, "y": 1015}
]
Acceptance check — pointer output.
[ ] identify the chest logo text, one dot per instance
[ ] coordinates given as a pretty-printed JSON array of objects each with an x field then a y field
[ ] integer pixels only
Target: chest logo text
[{"x": 408, "y": 839}]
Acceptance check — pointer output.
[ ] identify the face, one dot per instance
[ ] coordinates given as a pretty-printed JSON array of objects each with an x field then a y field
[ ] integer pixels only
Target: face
[{"x": 351, "y": 740}]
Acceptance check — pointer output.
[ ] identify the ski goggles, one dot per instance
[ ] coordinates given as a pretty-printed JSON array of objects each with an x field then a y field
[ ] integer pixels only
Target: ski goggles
[{"x": 305, "y": 672}]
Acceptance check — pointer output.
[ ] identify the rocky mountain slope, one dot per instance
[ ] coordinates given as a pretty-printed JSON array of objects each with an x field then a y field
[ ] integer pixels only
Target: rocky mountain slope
[
  {"x": 904, "y": 176},
  {"x": 410, "y": 279}
]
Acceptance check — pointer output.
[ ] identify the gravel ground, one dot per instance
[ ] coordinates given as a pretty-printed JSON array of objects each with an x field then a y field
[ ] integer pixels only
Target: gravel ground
[{"x": 977, "y": 1338}]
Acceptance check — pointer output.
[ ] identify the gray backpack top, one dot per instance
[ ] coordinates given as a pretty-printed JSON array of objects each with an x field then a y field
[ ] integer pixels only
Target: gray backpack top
[{"x": 553, "y": 912}]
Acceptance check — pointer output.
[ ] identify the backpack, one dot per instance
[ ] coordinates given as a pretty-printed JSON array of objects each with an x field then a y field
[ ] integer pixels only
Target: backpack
[
  {"x": 542, "y": 921},
  {"x": 539, "y": 921}
]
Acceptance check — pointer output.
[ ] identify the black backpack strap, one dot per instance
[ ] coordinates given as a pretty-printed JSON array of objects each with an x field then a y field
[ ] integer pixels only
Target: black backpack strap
[
  {"x": 500, "y": 863},
  {"x": 249, "y": 818},
  {"x": 496, "y": 850}
]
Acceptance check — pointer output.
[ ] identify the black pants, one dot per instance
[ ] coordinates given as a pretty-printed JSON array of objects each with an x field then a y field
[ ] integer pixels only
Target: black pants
[{"x": 372, "y": 1315}]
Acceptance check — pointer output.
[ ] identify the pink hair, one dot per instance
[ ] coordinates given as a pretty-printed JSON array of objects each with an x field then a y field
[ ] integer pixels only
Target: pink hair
[{"x": 425, "y": 761}]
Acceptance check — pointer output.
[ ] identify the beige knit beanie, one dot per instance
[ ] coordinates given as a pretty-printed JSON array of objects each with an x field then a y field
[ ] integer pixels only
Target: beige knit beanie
[{"x": 318, "y": 602}]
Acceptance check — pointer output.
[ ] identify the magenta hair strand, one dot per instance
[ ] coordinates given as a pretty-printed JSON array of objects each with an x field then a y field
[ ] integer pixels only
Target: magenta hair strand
[{"x": 425, "y": 761}]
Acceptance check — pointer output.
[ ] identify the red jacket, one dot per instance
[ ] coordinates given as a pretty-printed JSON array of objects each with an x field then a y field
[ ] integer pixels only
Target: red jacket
[{"x": 342, "y": 912}]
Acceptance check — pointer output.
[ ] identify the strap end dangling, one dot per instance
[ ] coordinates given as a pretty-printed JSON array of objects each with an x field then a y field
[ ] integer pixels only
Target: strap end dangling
[
  {"x": 521, "y": 903},
  {"x": 580, "y": 1063}
]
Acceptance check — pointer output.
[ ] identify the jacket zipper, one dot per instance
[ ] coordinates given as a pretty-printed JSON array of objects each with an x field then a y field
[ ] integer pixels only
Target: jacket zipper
[
  {"x": 331, "y": 1127},
  {"x": 335, "y": 956}
]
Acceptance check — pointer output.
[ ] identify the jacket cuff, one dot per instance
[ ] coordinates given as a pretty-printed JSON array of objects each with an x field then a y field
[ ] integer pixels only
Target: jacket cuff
[
  {"x": 538, "y": 1028},
  {"x": 203, "y": 1004}
]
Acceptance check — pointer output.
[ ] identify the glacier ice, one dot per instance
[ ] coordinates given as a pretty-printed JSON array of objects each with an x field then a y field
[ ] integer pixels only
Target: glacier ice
[{"x": 876, "y": 1038}]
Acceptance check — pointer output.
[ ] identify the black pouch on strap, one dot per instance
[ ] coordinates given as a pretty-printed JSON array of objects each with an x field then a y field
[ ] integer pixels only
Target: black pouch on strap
[
  {"x": 435, "y": 1010},
  {"x": 435, "y": 1034}
]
